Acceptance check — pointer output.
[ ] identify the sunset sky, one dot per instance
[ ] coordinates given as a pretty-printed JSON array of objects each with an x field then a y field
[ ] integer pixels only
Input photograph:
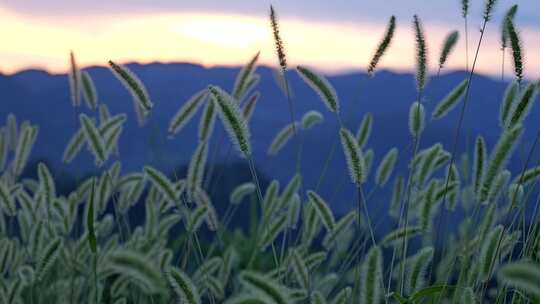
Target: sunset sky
[{"x": 334, "y": 36}]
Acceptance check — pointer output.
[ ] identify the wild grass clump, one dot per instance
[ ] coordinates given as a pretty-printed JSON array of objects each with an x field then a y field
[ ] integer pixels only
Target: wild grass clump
[{"x": 283, "y": 243}]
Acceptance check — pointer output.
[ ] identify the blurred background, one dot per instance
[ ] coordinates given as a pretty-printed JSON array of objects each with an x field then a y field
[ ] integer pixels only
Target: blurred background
[{"x": 335, "y": 36}]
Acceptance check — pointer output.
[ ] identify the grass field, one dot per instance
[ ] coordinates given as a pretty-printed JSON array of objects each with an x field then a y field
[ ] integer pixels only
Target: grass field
[{"x": 84, "y": 247}]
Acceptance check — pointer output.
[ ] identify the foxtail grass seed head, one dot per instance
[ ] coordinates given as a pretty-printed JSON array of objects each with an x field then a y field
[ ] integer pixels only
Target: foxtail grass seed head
[
  {"x": 371, "y": 290},
  {"x": 416, "y": 119},
  {"x": 162, "y": 183},
  {"x": 94, "y": 139},
  {"x": 276, "y": 226},
  {"x": 251, "y": 85},
  {"x": 353, "y": 155},
  {"x": 395, "y": 237},
  {"x": 74, "y": 80},
  {"x": 282, "y": 83},
  {"x": 311, "y": 119},
  {"x": 449, "y": 44},
  {"x": 243, "y": 78},
  {"x": 140, "y": 113},
  {"x": 196, "y": 168},
  {"x": 508, "y": 16},
  {"x": 241, "y": 191},
  {"x": 516, "y": 194},
  {"x": 488, "y": 9},
  {"x": 250, "y": 105},
  {"x": 517, "y": 53},
  {"x": 416, "y": 275},
  {"x": 521, "y": 109},
  {"x": 499, "y": 157},
  {"x": 311, "y": 224},
  {"x": 4, "y": 148},
  {"x": 104, "y": 189},
  {"x": 187, "y": 111},
  {"x": 89, "y": 91},
  {"x": 523, "y": 274},
  {"x": 136, "y": 267},
  {"x": 206, "y": 269},
  {"x": 111, "y": 142},
  {"x": 343, "y": 296},
  {"x": 383, "y": 46},
  {"x": 12, "y": 131},
  {"x": 450, "y": 101},
  {"x": 267, "y": 290},
  {"x": 104, "y": 113},
  {"x": 480, "y": 160},
  {"x": 280, "y": 49},
  {"x": 421, "y": 54},
  {"x": 206, "y": 124},
  {"x": 233, "y": 120},
  {"x": 488, "y": 253},
  {"x": 7, "y": 203},
  {"x": 203, "y": 199},
  {"x": 341, "y": 227},
  {"x": 507, "y": 104},
  {"x": 47, "y": 185},
  {"x": 182, "y": 286},
  {"x": 48, "y": 257},
  {"x": 134, "y": 86},
  {"x": 230, "y": 260},
  {"x": 364, "y": 131},
  {"x": 24, "y": 147},
  {"x": 290, "y": 191},
  {"x": 109, "y": 125},
  {"x": 196, "y": 218},
  {"x": 368, "y": 162},
  {"x": 323, "y": 210},
  {"x": 74, "y": 146},
  {"x": 464, "y": 8},
  {"x": 428, "y": 207},
  {"x": 282, "y": 138},
  {"x": 270, "y": 201},
  {"x": 300, "y": 269},
  {"x": 397, "y": 192},
  {"x": 386, "y": 167},
  {"x": 529, "y": 176},
  {"x": 500, "y": 183},
  {"x": 320, "y": 85},
  {"x": 452, "y": 174},
  {"x": 293, "y": 212}
]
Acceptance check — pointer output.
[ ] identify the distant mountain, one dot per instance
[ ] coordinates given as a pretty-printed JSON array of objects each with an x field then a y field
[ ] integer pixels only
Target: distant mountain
[{"x": 44, "y": 99}]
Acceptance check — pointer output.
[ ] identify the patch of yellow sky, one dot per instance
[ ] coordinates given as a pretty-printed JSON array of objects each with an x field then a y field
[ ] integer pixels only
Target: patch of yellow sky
[{"x": 214, "y": 39}]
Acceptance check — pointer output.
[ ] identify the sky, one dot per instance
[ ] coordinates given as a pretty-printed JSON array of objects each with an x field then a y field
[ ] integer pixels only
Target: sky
[{"x": 334, "y": 36}]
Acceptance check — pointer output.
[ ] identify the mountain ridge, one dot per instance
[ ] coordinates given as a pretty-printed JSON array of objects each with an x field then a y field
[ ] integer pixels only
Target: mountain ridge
[{"x": 44, "y": 99}]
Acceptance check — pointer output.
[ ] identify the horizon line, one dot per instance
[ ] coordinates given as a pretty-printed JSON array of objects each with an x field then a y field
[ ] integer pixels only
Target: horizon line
[{"x": 327, "y": 72}]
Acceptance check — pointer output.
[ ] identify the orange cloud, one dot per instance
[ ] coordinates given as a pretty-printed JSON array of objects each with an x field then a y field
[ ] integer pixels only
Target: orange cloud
[{"x": 213, "y": 39}]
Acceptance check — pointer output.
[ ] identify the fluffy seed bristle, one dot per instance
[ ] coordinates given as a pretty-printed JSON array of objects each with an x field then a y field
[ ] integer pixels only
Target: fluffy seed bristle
[
  {"x": 421, "y": 54},
  {"x": 353, "y": 154},
  {"x": 320, "y": 85},
  {"x": 517, "y": 53},
  {"x": 134, "y": 85},
  {"x": 416, "y": 119},
  {"x": 233, "y": 120},
  {"x": 449, "y": 44},
  {"x": 383, "y": 46},
  {"x": 450, "y": 101},
  {"x": 280, "y": 49}
]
